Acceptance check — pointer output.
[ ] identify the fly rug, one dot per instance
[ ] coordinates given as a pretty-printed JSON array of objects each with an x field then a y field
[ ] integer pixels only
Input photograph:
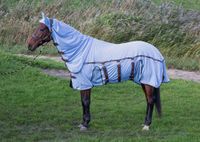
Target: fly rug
[{"x": 93, "y": 62}]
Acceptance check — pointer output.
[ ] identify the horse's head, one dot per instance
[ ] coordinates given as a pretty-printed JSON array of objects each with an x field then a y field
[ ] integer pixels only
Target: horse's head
[{"x": 41, "y": 35}]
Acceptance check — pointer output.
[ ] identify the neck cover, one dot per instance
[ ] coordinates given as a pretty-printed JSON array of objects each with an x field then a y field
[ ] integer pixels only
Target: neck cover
[{"x": 73, "y": 45}]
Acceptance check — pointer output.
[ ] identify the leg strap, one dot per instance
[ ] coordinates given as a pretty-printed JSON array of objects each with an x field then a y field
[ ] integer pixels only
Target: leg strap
[
  {"x": 132, "y": 71},
  {"x": 119, "y": 72},
  {"x": 106, "y": 74}
]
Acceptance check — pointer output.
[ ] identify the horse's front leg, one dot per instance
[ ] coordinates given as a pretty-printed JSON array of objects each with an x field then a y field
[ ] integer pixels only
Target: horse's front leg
[
  {"x": 148, "y": 90},
  {"x": 85, "y": 100}
]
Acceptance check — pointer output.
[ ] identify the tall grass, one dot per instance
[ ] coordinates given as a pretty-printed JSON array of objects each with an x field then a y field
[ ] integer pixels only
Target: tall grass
[
  {"x": 170, "y": 27},
  {"x": 188, "y": 4}
]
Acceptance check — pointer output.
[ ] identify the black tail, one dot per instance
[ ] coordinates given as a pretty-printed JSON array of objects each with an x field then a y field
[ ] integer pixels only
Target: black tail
[{"x": 158, "y": 101}]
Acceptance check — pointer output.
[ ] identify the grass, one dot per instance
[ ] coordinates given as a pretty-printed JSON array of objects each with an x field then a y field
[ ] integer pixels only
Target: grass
[
  {"x": 183, "y": 63},
  {"x": 187, "y": 4},
  {"x": 22, "y": 49},
  {"x": 27, "y": 62},
  {"x": 37, "y": 107}
]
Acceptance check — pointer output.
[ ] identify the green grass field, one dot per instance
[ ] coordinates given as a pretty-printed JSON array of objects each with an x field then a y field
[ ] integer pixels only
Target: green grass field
[{"x": 37, "y": 107}]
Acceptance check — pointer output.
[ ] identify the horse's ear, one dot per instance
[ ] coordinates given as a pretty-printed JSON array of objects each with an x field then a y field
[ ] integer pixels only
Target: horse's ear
[
  {"x": 45, "y": 19},
  {"x": 43, "y": 15}
]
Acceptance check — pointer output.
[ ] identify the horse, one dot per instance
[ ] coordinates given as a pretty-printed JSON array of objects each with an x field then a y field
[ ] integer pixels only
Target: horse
[{"x": 94, "y": 62}]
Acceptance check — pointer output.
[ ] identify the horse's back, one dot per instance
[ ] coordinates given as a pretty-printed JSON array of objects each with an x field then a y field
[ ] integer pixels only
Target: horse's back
[
  {"x": 105, "y": 51},
  {"x": 138, "y": 61}
]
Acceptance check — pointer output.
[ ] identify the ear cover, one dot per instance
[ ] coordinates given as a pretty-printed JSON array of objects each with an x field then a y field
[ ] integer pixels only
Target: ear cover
[{"x": 45, "y": 20}]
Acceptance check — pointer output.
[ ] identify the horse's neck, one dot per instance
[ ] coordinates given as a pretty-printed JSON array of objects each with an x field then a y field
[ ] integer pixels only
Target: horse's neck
[
  {"x": 72, "y": 43},
  {"x": 66, "y": 36}
]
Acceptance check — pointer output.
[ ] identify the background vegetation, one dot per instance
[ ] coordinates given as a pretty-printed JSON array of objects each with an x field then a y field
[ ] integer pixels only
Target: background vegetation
[{"x": 173, "y": 27}]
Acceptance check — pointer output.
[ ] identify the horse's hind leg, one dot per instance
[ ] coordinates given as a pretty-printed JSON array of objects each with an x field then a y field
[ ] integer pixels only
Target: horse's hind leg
[
  {"x": 158, "y": 101},
  {"x": 85, "y": 100},
  {"x": 148, "y": 90}
]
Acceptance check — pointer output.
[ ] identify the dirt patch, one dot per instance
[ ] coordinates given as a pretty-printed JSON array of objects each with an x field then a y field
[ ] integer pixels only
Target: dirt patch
[
  {"x": 185, "y": 75},
  {"x": 173, "y": 73},
  {"x": 57, "y": 73}
]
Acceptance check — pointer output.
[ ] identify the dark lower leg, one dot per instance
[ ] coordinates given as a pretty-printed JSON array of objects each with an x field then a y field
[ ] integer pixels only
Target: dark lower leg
[
  {"x": 158, "y": 101},
  {"x": 85, "y": 99},
  {"x": 148, "y": 118},
  {"x": 147, "y": 110},
  {"x": 147, "y": 107},
  {"x": 148, "y": 90}
]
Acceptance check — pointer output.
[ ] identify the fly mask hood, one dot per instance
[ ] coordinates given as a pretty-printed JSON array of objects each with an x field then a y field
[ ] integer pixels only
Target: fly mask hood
[{"x": 47, "y": 21}]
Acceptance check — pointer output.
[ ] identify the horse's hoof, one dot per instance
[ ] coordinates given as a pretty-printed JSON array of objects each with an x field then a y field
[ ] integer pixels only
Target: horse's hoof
[
  {"x": 82, "y": 127},
  {"x": 145, "y": 128}
]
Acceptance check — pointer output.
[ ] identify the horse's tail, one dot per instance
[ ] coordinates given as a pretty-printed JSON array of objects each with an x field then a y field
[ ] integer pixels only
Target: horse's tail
[{"x": 158, "y": 101}]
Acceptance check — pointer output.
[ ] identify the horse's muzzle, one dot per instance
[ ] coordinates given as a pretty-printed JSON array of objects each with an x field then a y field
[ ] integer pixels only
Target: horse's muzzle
[{"x": 31, "y": 48}]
